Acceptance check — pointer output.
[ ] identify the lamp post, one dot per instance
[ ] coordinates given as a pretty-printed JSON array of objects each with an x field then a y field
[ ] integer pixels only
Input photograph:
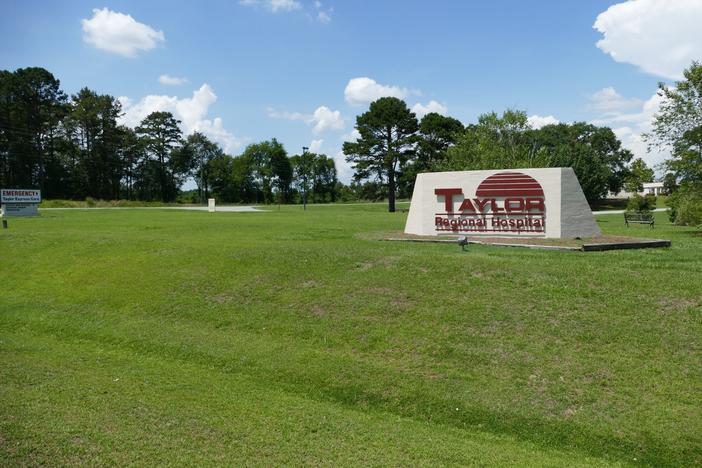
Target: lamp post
[{"x": 304, "y": 178}]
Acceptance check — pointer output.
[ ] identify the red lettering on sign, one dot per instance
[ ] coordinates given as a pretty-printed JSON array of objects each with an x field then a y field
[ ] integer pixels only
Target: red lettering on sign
[
  {"x": 509, "y": 202},
  {"x": 448, "y": 194},
  {"x": 466, "y": 205},
  {"x": 535, "y": 204},
  {"x": 481, "y": 203}
]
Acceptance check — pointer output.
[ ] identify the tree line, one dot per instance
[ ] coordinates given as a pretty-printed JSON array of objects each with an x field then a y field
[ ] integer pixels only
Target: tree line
[
  {"x": 73, "y": 147},
  {"x": 394, "y": 147}
]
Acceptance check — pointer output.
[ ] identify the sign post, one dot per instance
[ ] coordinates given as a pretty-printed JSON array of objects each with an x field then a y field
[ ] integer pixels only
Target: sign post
[{"x": 19, "y": 202}]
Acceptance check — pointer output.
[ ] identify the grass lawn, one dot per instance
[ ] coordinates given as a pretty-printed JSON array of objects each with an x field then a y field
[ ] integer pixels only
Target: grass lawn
[{"x": 190, "y": 338}]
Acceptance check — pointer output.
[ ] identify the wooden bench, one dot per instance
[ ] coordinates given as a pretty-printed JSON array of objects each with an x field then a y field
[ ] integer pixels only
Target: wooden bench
[{"x": 638, "y": 218}]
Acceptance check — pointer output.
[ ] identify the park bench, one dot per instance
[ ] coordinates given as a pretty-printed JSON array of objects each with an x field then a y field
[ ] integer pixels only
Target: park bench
[{"x": 638, "y": 218}]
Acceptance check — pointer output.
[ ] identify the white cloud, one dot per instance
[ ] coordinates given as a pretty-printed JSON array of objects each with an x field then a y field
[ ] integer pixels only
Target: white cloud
[
  {"x": 432, "y": 106},
  {"x": 119, "y": 33},
  {"x": 326, "y": 119},
  {"x": 274, "y": 6},
  {"x": 125, "y": 101},
  {"x": 172, "y": 80},
  {"x": 353, "y": 135},
  {"x": 344, "y": 170},
  {"x": 364, "y": 90},
  {"x": 538, "y": 121},
  {"x": 609, "y": 100},
  {"x": 322, "y": 119},
  {"x": 316, "y": 146},
  {"x": 323, "y": 16},
  {"x": 629, "y": 127},
  {"x": 661, "y": 37},
  {"x": 192, "y": 112}
]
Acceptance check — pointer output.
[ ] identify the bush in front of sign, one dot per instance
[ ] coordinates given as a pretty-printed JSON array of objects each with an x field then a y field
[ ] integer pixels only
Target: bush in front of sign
[
  {"x": 686, "y": 206},
  {"x": 640, "y": 204}
]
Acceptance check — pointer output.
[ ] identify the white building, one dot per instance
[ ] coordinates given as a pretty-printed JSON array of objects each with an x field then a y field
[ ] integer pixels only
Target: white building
[{"x": 655, "y": 188}]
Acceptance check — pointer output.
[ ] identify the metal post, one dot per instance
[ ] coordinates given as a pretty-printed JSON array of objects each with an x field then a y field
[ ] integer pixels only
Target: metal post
[{"x": 4, "y": 224}]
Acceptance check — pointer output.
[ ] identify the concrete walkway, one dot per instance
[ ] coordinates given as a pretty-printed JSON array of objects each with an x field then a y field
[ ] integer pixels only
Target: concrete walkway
[
  {"x": 226, "y": 209},
  {"x": 621, "y": 211},
  {"x": 252, "y": 209}
]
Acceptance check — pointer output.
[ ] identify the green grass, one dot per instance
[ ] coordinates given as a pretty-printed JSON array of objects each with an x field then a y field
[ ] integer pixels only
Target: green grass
[{"x": 190, "y": 338}]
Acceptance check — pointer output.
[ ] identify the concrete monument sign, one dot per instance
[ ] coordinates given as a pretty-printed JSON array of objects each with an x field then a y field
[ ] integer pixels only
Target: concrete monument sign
[
  {"x": 19, "y": 202},
  {"x": 501, "y": 203}
]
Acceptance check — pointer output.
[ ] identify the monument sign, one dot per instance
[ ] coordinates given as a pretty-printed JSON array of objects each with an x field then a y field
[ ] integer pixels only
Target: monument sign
[
  {"x": 19, "y": 202},
  {"x": 501, "y": 203}
]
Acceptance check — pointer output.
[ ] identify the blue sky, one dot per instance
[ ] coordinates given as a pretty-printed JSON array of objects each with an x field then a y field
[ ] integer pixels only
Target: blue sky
[{"x": 302, "y": 70}]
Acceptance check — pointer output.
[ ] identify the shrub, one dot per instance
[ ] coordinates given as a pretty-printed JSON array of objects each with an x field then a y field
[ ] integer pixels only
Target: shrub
[
  {"x": 639, "y": 203},
  {"x": 686, "y": 206}
]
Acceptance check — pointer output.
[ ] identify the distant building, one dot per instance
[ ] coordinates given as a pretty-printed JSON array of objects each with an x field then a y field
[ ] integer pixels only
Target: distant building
[{"x": 655, "y": 188}]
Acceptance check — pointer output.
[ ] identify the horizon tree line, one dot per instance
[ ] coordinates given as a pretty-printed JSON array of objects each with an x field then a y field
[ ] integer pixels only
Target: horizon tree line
[{"x": 73, "y": 148}]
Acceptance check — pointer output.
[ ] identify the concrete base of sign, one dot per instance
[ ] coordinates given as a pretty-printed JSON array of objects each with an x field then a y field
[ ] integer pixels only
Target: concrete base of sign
[
  {"x": 19, "y": 209},
  {"x": 590, "y": 245},
  {"x": 501, "y": 203}
]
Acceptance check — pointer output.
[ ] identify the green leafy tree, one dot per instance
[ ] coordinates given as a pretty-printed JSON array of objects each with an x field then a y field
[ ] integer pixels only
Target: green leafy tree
[
  {"x": 315, "y": 174},
  {"x": 271, "y": 170},
  {"x": 639, "y": 173},
  {"x": 132, "y": 155},
  {"x": 437, "y": 134},
  {"x": 195, "y": 155},
  {"x": 678, "y": 126},
  {"x": 508, "y": 141},
  {"x": 31, "y": 108},
  {"x": 92, "y": 123},
  {"x": 595, "y": 154},
  {"x": 495, "y": 142},
  {"x": 680, "y": 109},
  {"x": 388, "y": 139},
  {"x": 303, "y": 174},
  {"x": 161, "y": 135}
]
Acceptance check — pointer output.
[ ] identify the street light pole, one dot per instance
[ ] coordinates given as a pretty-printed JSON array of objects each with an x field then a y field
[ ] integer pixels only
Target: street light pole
[{"x": 304, "y": 178}]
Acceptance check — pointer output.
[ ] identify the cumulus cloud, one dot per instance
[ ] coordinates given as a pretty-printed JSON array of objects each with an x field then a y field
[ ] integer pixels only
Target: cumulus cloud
[
  {"x": 119, "y": 33},
  {"x": 322, "y": 119},
  {"x": 629, "y": 127},
  {"x": 353, "y": 135},
  {"x": 344, "y": 170},
  {"x": 609, "y": 100},
  {"x": 316, "y": 146},
  {"x": 274, "y": 6},
  {"x": 538, "y": 121},
  {"x": 192, "y": 112},
  {"x": 323, "y": 15},
  {"x": 364, "y": 90},
  {"x": 172, "y": 80},
  {"x": 658, "y": 36},
  {"x": 432, "y": 106}
]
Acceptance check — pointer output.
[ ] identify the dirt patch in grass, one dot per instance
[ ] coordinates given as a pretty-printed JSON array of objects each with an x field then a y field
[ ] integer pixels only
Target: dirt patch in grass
[
  {"x": 669, "y": 304},
  {"x": 386, "y": 262}
]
